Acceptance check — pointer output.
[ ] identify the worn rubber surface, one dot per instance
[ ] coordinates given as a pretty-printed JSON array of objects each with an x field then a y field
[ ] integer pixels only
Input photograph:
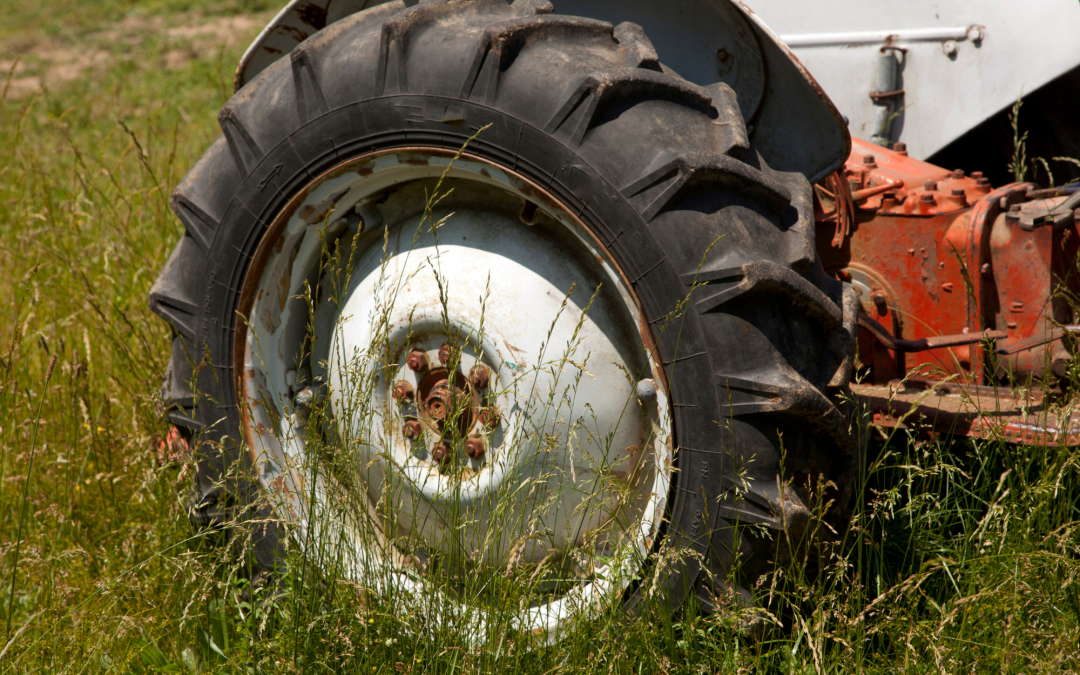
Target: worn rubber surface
[{"x": 719, "y": 248}]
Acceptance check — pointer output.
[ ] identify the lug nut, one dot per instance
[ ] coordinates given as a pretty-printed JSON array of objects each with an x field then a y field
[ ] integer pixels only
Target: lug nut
[
  {"x": 489, "y": 417},
  {"x": 440, "y": 453},
  {"x": 403, "y": 392},
  {"x": 474, "y": 448},
  {"x": 417, "y": 361},
  {"x": 412, "y": 429},
  {"x": 444, "y": 354},
  {"x": 438, "y": 401},
  {"x": 479, "y": 376}
]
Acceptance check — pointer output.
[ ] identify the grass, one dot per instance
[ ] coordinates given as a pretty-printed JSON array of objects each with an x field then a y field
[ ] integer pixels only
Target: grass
[{"x": 962, "y": 557}]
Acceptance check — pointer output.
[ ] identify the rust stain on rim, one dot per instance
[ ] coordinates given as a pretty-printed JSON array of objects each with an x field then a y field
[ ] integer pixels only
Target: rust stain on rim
[{"x": 272, "y": 241}]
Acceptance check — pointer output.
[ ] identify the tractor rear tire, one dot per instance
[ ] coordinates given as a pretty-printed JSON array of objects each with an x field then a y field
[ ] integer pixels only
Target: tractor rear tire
[{"x": 755, "y": 341}]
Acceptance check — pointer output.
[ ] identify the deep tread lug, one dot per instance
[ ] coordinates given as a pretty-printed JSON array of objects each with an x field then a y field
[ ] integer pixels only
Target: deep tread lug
[
  {"x": 741, "y": 396},
  {"x": 527, "y": 7},
  {"x": 197, "y": 222},
  {"x": 727, "y": 106},
  {"x": 176, "y": 387},
  {"x": 481, "y": 79},
  {"x": 391, "y": 74},
  {"x": 391, "y": 70},
  {"x": 170, "y": 300},
  {"x": 580, "y": 108},
  {"x": 310, "y": 99},
  {"x": 636, "y": 49},
  {"x": 245, "y": 151},
  {"x": 669, "y": 176},
  {"x": 719, "y": 286}
]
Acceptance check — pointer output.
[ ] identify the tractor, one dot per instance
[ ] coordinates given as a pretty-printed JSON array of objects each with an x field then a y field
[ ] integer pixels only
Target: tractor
[{"x": 565, "y": 287}]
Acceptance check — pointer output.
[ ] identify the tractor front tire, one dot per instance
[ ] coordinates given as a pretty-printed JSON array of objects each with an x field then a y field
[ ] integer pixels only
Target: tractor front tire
[{"x": 753, "y": 340}]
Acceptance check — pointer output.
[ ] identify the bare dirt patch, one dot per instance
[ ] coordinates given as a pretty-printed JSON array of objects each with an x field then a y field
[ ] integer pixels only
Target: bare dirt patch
[{"x": 28, "y": 65}]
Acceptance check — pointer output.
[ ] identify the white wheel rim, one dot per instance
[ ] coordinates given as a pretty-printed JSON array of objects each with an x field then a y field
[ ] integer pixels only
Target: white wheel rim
[{"x": 574, "y": 389}]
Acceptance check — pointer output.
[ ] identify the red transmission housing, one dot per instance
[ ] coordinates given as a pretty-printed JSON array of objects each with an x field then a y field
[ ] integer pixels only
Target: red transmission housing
[{"x": 941, "y": 258}]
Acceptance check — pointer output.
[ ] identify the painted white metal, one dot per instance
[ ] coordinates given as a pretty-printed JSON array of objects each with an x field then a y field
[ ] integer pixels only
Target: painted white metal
[
  {"x": 1015, "y": 48},
  {"x": 875, "y": 37},
  {"x": 577, "y": 468}
]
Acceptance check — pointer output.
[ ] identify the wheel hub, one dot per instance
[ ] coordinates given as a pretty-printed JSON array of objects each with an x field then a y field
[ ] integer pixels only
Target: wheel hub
[{"x": 490, "y": 397}]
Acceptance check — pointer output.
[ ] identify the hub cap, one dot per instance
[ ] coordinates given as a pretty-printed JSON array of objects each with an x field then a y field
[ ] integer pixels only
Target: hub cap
[{"x": 478, "y": 397}]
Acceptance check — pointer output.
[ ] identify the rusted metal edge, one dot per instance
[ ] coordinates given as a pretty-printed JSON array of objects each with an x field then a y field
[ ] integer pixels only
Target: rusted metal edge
[
  {"x": 924, "y": 344},
  {"x": 1039, "y": 340},
  {"x": 866, "y": 193},
  {"x": 975, "y": 412},
  {"x": 879, "y": 95},
  {"x": 283, "y": 19}
]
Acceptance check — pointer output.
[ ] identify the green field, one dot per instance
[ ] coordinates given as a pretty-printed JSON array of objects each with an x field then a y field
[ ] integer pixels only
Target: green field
[{"x": 962, "y": 557}]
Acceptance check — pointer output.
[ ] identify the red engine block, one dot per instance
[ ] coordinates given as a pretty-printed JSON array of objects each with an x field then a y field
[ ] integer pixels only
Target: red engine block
[{"x": 941, "y": 258}]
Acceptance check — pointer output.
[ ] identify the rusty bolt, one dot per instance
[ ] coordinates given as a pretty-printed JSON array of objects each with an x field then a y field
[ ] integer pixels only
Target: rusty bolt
[
  {"x": 444, "y": 354},
  {"x": 437, "y": 404},
  {"x": 976, "y": 174},
  {"x": 868, "y": 159},
  {"x": 417, "y": 361},
  {"x": 441, "y": 453},
  {"x": 403, "y": 392},
  {"x": 958, "y": 173},
  {"x": 900, "y": 148},
  {"x": 958, "y": 192},
  {"x": 950, "y": 48},
  {"x": 489, "y": 417},
  {"x": 930, "y": 186},
  {"x": 474, "y": 448},
  {"x": 880, "y": 301},
  {"x": 479, "y": 376},
  {"x": 412, "y": 429},
  {"x": 982, "y": 181},
  {"x": 926, "y": 198}
]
